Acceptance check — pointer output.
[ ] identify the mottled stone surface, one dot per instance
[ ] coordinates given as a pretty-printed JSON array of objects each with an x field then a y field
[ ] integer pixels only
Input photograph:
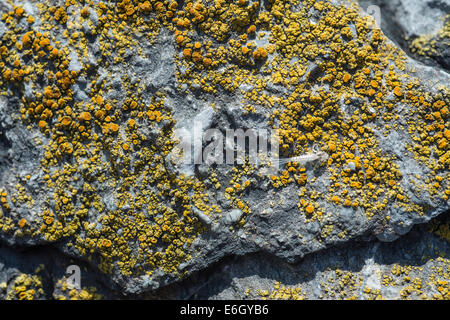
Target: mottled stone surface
[{"x": 274, "y": 237}]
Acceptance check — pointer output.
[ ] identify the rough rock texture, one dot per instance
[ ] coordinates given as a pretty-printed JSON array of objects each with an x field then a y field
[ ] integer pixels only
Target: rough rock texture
[
  {"x": 86, "y": 134},
  {"x": 412, "y": 267}
]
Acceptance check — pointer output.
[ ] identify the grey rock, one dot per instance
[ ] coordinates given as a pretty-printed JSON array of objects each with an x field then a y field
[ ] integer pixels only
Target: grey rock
[
  {"x": 293, "y": 244},
  {"x": 202, "y": 217},
  {"x": 233, "y": 216},
  {"x": 337, "y": 273}
]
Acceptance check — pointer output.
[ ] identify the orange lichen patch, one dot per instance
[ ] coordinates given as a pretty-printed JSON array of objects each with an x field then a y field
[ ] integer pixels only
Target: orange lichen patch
[
  {"x": 44, "y": 42},
  {"x": 336, "y": 199},
  {"x": 85, "y": 12},
  {"x": 99, "y": 100},
  {"x": 309, "y": 209},
  {"x": 133, "y": 105},
  {"x": 187, "y": 53},
  {"x": 207, "y": 62},
  {"x": 260, "y": 54},
  {"x": 3, "y": 51},
  {"x": 26, "y": 39},
  {"x": 159, "y": 7},
  {"x": 374, "y": 84},
  {"x": 66, "y": 120},
  {"x": 86, "y": 116},
  {"x": 22, "y": 223},
  {"x": 145, "y": 7},
  {"x": 54, "y": 52},
  {"x": 19, "y": 12},
  {"x": 447, "y": 134},
  {"x": 114, "y": 127},
  {"x": 443, "y": 144},
  {"x": 42, "y": 124},
  {"x": 179, "y": 39},
  {"x": 398, "y": 92},
  {"x": 347, "y": 203},
  {"x": 6, "y": 74},
  {"x": 245, "y": 50},
  {"x": 196, "y": 56},
  {"x": 251, "y": 29},
  {"x": 106, "y": 243},
  {"x": 99, "y": 114},
  {"x": 49, "y": 220},
  {"x": 156, "y": 115}
]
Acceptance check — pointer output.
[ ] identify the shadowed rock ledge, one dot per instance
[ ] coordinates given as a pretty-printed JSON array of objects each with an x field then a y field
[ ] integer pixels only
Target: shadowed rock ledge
[{"x": 91, "y": 100}]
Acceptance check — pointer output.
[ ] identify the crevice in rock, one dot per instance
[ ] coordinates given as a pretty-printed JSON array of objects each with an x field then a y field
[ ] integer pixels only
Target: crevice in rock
[
  {"x": 352, "y": 256},
  {"x": 219, "y": 276},
  {"x": 25, "y": 259}
]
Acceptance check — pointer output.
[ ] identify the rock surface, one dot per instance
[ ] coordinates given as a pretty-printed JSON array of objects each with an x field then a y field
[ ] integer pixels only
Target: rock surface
[
  {"x": 419, "y": 27},
  {"x": 86, "y": 134},
  {"x": 413, "y": 267}
]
